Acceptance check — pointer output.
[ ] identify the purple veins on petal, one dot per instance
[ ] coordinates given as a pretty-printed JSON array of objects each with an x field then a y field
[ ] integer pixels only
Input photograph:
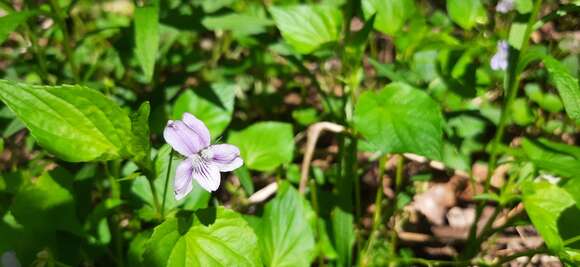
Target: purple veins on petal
[
  {"x": 225, "y": 156},
  {"x": 182, "y": 183},
  {"x": 206, "y": 174},
  {"x": 204, "y": 162}
]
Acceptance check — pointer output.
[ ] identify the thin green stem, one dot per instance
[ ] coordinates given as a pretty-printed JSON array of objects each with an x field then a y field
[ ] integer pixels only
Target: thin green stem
[
  {"x": 113, "y": 219},
  {"x": 67, "y": 41},
  {"x": 38, "y": 52},
  {"x": 378, "y": 209},
  {"x": 166, "y": 184},
  {"x": 512, "y": 79},
  {"x": 314, "y": 201}
]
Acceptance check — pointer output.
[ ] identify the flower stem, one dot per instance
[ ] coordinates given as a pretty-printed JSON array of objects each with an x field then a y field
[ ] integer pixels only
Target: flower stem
[
  {"x": 511, "y": 82},
  {"x": 166, "y": 183},
  {"x": 59, "y": 16},
  {"x": 378, "y": 209}
]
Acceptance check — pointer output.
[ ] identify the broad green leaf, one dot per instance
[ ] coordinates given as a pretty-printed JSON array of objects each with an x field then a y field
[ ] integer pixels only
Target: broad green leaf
[
  {"x": 284, "y": 231},
  {"x": 555, "y": 214},
  {"x": 147, "y": 38},
  {"x": 521, "y": 112},
  {"x": 140, "y": 146},
  {"x": 214, "y": 106},
  {"x": 517, "y": 34},
  {"x": 552, "y": 157},
  {"x": 343, "y": 235},
  {"x": 239, "y": 24},
  {"x": 466, "y": 13},
  {"x": 210, "y": 6},
  {"x": 209, "y": 237},
  {"x": 265, "y": 145},
  {"x": 307, "y": 27},
  {"x": 400, "y": 119},
  {"x": 9, "y": 23},
  {"x": 198, "y": 198},
  {"x": 390, "y": 14},
  {"x": 567, "y": 85},
  {"x": 47, "y": 205},
  {"x": 524, "y": 6},
  {"x": 73, "y": 122}
]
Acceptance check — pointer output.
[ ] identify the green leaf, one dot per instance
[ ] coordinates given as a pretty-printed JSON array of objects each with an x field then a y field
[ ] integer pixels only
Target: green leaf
[
  {"x": 209, "y": 237},
  {"x": 140, "y": 145},
  {"x": 239, "y": 24},
  {"x": 552, "y": 157},
  {"x": 343, "y": 235},
  {"x": 400, "y": 119},
  {"x": 466, "y": 13},
  {"x": 524, "y": 6},
  {"x": 265, "y": 145},
  {"x": 47, "y": 204},
  {"x": 73, "y": 122},
  {"x": 390, "y": 14},
  {"x": 307, "y": 27},
  {"x": 567, "y": 86},
  {"x": 284, "y": 231},
  {"x": 9, "y": 23},
  {"x": 555, "y": 214},
  {"x": 521, "y": 113},
  {"x": 214, "y": 106},
  {"x": 245, "y": 179},
  {"x": 147, "y": 38}
]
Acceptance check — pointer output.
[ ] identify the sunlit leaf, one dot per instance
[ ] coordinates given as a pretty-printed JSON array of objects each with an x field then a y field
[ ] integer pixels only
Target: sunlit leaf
[
  {"x": 209, "y": 237},
  {"x": 73, "y": 122},
  {"x": 307, "y": 27},
  {"x": 466, "y": 13},
  {"x": 390, "y": 14},
  {"x": 400, "y": 119},
  {"x": 265, "y": 145},
  {"x": 284, "y": 233},
  {"x": 214, "y": 106},
  {"x": 567, "y": 86},
  {"x": 554, "y": 213},
  {"x": 147, "y": 38}
]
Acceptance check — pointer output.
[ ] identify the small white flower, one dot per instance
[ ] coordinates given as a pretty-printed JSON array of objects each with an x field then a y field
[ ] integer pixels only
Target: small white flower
[
  {"x": 499, "y": 61},
  {"x": 203, "y": 162},
  {"x": 505, "y": 6}
]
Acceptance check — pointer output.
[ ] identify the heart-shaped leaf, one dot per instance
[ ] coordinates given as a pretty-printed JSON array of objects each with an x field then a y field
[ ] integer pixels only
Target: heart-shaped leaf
[{"x": 400, "y": 119}]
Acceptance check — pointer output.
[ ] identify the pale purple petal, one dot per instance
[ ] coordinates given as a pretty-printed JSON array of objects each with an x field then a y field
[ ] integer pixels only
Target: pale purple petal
[
  {"x": 505, "y": 6},
  {"x": 499, "y": 61},
  {"x": 225, "y": 156},
  {"x": 206, "y": 174},
  {"x": 198, "y": 127},
  {"x": 182, "y": 184},
  {"x": 182, "y": 138}
]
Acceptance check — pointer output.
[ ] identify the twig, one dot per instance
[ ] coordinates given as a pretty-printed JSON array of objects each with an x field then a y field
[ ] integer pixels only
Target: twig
[
  {"x": 263, "y": 193},
  {"x": 313, "y": 133}
]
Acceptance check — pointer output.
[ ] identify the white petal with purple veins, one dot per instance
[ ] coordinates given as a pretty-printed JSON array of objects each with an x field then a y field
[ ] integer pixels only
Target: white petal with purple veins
[
  {"x": 182, "y": 184},
  {"x": 225, "y": 156},
  {"x": 206, "y": 173}
]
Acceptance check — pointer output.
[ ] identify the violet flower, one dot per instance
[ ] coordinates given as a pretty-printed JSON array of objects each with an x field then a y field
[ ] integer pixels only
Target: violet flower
[
  {"x": 203, "y": 162},
  {"x": 505, "y": 6},
  {"x": 499, "y": 61}
]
